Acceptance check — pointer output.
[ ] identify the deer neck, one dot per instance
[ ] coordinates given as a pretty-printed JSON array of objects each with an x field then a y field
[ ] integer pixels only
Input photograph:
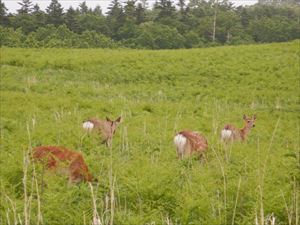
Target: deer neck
[{"x": 245, "y": 131}]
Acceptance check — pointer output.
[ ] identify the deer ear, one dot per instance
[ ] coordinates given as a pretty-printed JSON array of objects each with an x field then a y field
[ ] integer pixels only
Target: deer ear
[
  {"x": 244, "y": 117},
  {"x": 119, "y": 120},
  {"x": 107, "y": 119}
]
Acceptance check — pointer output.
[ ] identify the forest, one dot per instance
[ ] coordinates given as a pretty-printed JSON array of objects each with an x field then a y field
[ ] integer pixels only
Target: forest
[{"x": 134, "y": 24}]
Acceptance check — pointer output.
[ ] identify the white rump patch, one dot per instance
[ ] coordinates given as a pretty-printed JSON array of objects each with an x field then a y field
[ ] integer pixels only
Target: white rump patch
[
  {"x": 226, "y": 134},
  {"x": 180, "y": 142},
  {"x": 88, "y": 125}
]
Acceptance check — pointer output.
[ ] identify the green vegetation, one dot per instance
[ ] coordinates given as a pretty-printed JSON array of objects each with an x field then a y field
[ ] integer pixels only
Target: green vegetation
[
  {"x": 47, "y": 93},
  {"x": 133, "y": 24}
]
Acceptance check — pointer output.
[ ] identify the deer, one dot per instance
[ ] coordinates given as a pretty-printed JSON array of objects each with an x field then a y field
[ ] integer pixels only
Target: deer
[
  {"x": 231, "y": 133},
  {"x": 60, "y": 159},
  {"x": 105, "y": 128},
  {"x": 190, "y": 142}
]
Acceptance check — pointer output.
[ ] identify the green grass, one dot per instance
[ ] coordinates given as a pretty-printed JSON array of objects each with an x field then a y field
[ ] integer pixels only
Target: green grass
[{"x": 47, "y": 93}]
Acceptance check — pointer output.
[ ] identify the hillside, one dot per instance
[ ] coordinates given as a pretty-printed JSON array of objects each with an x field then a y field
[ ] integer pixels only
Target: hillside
[{"x": 47, "y": 93}]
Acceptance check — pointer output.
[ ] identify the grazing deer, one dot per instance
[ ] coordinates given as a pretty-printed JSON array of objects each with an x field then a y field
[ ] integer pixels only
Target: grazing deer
[
  {"x": 231, "y": 133},
  {"x": 189, "y": 142},
  {"x": 105, "y": 128},
  {"x": 63, "y": 160}
]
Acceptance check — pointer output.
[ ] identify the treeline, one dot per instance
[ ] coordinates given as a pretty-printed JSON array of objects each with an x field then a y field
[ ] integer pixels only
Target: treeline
[{"x": 196, "y": 23}]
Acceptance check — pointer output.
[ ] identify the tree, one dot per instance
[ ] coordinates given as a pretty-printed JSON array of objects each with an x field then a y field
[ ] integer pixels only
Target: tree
[
  {"x": 115, "y": 8},
  {"x": 129, "y": 28},
  {"x": 159, "y": 36},
  {"x": 193, "y": 40},
  {"x": 96, "y": 40},
  {"x": 140, "y": 13},
  {"x": 92, "y": 22},
  {"x": 186, "y": 20},
  {"x": 130, "y": 11},
  {"x": 3, "y": 9},
  {"x": 24, "y": 20},
  {"x": 44, "y": 34},
  {"x": 166, "y": 7},
  {"x": 227, "y": 22},
  {"x": 115, "y": 18},
  {"x": 166, "y": 13},
  {"x": 71, "y": 20},
  {"x": 38, "y": 16},
  {"x": 10, "y": 37},
  {"x": 26, "y": 7},
  {"x": 182, "y": 6},
  {"x": 83, "y": 9},
  {"x": 215, "y": 20},
  {"x": 97, "y": 11},
  {"x": 274, "y": 29},
  {"x": 3, "y": 12},
  {"x": 244, "y": 16},
  {"x": 55, "y": 13},
  {"x": 278, "y": 2},
  {"x": 36, "y": 9}
]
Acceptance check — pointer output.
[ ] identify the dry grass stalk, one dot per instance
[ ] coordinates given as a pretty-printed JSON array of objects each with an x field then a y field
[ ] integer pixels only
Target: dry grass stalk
[
  {"x": 236, "y": 200},
  {"x": 96, "y": 218}
]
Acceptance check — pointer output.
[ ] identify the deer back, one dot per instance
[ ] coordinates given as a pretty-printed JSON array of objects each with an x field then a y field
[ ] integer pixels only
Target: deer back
[
  {"x": 103, "y": 127},
  {"x": 196, "y": 142},
  {"x": 231, "y": 132},
  {"x": 58, "y": 158}
]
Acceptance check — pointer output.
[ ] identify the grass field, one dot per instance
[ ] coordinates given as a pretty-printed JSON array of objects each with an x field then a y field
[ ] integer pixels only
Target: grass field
[{"x": 47, "y": 93}]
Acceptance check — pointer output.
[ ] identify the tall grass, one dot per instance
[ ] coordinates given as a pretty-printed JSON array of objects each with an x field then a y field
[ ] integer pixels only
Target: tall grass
[{"x": 46, "y": 94}]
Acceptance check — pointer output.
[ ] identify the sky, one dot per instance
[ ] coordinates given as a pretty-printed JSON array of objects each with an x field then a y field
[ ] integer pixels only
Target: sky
[{"x": 12, "y": 5}]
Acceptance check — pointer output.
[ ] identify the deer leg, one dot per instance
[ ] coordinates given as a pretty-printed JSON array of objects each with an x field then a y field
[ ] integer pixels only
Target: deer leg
[
  {"x": 70, "y": 180},
  {"x": 179, "y": 154},
  {"x": 42, "y": 185},
  {"x": 109, "y": 142},
  {"x": 203, "y": 158},
  {"x": 82, "y": 137}
]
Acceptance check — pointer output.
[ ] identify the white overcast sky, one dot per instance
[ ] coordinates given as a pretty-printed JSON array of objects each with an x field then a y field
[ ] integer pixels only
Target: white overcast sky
[{"x": 12, "y": 5}]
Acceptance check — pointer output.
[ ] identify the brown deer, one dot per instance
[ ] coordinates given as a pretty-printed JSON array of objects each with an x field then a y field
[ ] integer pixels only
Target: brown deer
[
  {"x": 105, "y": 128},
  {"x": 189, "y": 142},
  {"x": 61, "y": 159},
  {"x": 231, "y": 133}
]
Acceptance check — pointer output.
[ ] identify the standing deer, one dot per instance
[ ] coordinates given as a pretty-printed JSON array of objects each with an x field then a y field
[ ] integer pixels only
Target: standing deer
[
  {"x": 189, "y": 142},
  {"x": 231, "y": 133},
  {"x": 63, "y": 160},
  {"x": 105, "y": 128}
]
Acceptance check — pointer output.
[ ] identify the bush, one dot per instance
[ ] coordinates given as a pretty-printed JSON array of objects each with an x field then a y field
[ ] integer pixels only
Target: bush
[
  {"x": 10, "y": 37},
  {"x": 52, "y": 37},
  {"x": 158, "y": 36}
]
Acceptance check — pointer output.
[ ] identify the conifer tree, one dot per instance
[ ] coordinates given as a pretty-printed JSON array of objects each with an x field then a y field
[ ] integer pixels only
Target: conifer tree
[
  {"x": 71, "y": 20},
  {"x": 3, "y": 12},
  {"x": 115, "y": 17},
  {"x": 83, "y": 9},
  {"x": 97, "y": 11},
  {"x": 140, "y": 14},
  {"x": 55, "y": 13},
  {"x": 39, "y": 16},
  {"x": 26, "y": 7}
]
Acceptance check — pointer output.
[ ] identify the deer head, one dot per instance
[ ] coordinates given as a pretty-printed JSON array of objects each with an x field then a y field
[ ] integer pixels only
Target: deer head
[
  {"x": 114, "y": 124},
  {"x": 249, "y": 121}
]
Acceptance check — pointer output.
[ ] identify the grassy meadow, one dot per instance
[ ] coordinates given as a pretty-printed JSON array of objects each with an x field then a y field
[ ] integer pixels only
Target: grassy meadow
[{"x": 47, "y": 93}]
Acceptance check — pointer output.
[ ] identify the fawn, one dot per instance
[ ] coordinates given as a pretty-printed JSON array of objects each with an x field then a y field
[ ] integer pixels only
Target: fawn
[
  {"x": 231, "y": 133},
  {"x": 105, "y": 128},
  {"x": 63, "y": 160},
  {"x": 189, "y": 142}
]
